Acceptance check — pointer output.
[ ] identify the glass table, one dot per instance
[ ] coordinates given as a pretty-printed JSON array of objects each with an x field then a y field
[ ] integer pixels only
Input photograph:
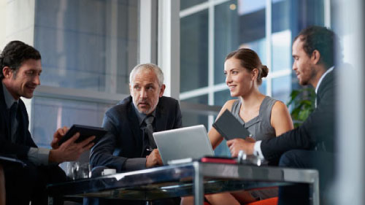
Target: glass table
[{"x": 194, "y": 178}]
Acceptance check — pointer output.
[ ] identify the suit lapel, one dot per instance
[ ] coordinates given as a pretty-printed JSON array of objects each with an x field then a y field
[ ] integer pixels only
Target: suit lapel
[
  {"x": 161, "y": 118},
  {"x": 4, "y": 112},
  {"x": 22, "y": 125},
  {"x": 134, "y": 126},
  {"x": 327, "y": 80}
]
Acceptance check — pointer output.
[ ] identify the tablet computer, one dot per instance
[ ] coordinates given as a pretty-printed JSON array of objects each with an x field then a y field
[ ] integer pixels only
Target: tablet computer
[
  {"x": 85, "y": 132},
  {"x": 229, "y": 127}
]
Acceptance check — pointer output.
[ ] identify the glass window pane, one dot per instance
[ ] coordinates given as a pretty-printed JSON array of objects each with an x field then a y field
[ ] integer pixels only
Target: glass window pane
[
  {"x": 281, "y": 51},
  {"x": 87, "y": 44},
  {"x": 203, "y": 99},
  {"x": 281, "y": 88},
  {"x": 281, "y": 36},
  {"x": 251, "y": 20},
  {"x": 222, "y": 149},
  {"x": 184, "y": 4},
  {"x": 248, "y": 6},
  {"x": 221, "y": 97},
  {"x": 238, "y": 24},
  {"x": 280, "y": 15},
  {"x": 194, "y": 51},
  {"x": 259, "y": 46},
  {"x": 49, "y": 114},
  {"x": 225, "y": 37},
  {"x": 262, "y": 87},
  {"x": 191, "y": 119}
]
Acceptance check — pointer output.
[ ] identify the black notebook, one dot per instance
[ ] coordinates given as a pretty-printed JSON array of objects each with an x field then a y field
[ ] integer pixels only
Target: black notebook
[{"x": 229, "y": 127}]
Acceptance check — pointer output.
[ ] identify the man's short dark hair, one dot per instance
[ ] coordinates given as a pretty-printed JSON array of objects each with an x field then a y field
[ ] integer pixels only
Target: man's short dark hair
[
  {"x": 15, "y": 53},
  {"x": 320, "y": 39}
]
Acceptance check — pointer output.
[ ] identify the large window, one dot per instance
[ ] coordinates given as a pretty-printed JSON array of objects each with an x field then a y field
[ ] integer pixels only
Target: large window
[
  {"x": 88, "y": 47},
  {"x": 87, "y": 44}
]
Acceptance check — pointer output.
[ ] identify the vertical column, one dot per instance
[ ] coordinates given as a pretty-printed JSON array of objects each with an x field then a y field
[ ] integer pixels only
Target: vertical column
[
  {"x": 111, "y": 65},
  {"x": 148, "y": 31},
  {"x": 327, "y": 13},
  {"x": 20, "y": 21},
  {"x": 349, "y": 22},
  {"x": 268, "y": 28},
  {"x": 19, "y": 24},
  {"x": 211, "y": 59},
  {"x": 169, "y": 45},
  {"x": 3, "y": 42}
]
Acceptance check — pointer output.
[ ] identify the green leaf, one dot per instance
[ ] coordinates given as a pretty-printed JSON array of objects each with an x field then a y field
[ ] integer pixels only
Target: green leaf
[
  {"x": 293, "y": 95},
  {"x": 303, "y": 115},
  {"x": 302, "y": 103}
]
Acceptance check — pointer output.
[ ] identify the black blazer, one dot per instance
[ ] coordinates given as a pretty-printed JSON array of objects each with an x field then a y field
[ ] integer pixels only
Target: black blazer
[
  {"x": 125, "y": 138},
  {"x": 319, "y": 128},
  {"x": 24, "y": 140}
]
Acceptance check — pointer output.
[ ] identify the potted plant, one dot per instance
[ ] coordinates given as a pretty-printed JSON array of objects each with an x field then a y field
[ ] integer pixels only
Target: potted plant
[{"x": 301, "y": 104}]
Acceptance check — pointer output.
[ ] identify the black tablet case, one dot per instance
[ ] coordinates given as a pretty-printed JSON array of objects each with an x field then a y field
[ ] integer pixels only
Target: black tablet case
[
  {"x": 85, "y": 132},
  {"x": 229, "y": 127}
]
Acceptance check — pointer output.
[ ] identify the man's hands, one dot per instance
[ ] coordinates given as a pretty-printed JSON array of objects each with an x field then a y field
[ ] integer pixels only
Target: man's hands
[
  {"x": 57, "y": 136},
  {"x": 154, "y": 159},
  {"x": 238, "y": 144},
  {"x": 68, "y": 151}
]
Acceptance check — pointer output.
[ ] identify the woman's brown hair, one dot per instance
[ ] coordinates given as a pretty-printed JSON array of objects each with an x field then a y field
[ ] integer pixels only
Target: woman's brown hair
[{"x": 250, "y": 60}]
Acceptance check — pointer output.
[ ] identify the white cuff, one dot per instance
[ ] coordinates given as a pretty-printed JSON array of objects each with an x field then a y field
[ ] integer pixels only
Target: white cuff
[
  {"x": 257, "y": 150},
  {"x": 39, "y": 156}
]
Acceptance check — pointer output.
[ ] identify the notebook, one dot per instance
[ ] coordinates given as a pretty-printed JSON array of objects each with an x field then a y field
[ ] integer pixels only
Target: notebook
[
  {"x": 188, "y": 142},
  {"x": 229, "y": 127}
]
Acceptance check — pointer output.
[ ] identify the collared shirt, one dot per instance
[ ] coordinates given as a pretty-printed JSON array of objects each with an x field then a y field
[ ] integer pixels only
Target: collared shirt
[
  {"x": 141, "y": 117},
  {"x": 12, "y": 110},
  {"x": 9, "y": 100},
  {"x": 257, "y": 147},
  {"x": 36, "y": 155},
  {"x": 324, "y": 74}
]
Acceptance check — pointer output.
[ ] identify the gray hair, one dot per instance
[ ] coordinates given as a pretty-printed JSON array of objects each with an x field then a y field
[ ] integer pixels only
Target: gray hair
[{"x": 147, "y": 66}]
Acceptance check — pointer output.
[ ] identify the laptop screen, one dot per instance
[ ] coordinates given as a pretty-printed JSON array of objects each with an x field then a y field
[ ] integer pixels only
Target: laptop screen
[{"x": 188, "y": 142}]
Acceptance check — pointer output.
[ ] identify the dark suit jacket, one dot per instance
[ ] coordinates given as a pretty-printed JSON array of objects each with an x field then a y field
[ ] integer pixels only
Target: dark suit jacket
[
  {"x": 317, "y": 129},
  {"x": 125, "y": 137},
  {"x": 24, "y": 140}
]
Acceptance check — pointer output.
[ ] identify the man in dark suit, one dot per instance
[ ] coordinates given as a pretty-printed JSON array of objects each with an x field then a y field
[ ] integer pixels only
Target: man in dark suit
[
  {"x": 129, "y": 144},
  {"x": 311, "y": 144},
  {"x": 20, "y": 75}
]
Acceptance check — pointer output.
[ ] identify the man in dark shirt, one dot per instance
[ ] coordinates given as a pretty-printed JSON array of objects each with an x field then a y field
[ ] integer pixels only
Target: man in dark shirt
[
  {"x": 129, "y": 144},
  {"x": 20, "y": 75}
]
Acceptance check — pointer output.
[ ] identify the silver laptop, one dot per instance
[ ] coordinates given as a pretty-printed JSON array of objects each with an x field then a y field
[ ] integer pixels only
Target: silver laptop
[{"x": 183, "y": 143}]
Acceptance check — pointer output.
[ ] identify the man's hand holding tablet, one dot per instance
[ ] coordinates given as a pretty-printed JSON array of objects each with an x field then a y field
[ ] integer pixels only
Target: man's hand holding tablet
[
  {"x": 85, "y": 132},
  {"x": 69, "y": 144}
]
